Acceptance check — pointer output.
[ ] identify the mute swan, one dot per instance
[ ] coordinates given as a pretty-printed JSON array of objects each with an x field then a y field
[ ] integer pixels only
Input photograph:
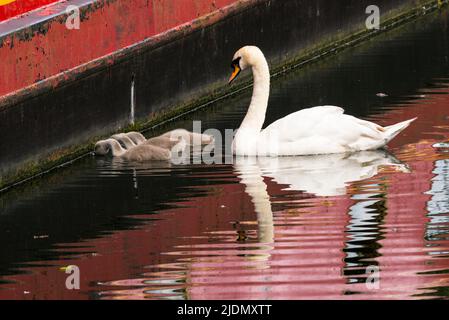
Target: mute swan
[
  {"x": 318, "y": 130},
  {"x": 136, "y": 153}
]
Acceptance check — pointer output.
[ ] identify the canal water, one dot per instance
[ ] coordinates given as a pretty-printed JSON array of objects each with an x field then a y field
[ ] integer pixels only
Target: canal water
[{"x": 372, "y": 225}]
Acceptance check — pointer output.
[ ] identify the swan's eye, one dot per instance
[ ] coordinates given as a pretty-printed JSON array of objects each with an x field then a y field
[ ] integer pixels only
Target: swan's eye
[
  {"x": 236, "y": 62},
  {"x": 236, "y": 67}
]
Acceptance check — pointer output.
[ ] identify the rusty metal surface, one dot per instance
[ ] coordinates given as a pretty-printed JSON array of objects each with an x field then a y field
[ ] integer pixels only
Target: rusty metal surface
[{"x": 39, "y": 46}]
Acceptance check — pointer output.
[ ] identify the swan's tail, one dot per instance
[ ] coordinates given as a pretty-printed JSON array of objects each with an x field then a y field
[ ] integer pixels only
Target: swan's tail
[{"x": 392, "y": 131}]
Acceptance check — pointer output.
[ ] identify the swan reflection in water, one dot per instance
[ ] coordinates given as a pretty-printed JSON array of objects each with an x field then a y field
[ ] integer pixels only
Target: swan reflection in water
[
  {"x": 324, "y": 175},
  {"x": 320, "y": 175}
]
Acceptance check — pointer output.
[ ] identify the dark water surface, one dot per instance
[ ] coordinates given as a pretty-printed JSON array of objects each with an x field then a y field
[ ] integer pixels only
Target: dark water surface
[{"x": 301, "y": 227}]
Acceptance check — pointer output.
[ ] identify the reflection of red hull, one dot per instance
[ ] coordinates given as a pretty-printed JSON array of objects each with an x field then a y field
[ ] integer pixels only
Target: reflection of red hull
[
  {"x": 407, "y": 202},
  {"x": 131, "y": 248},
  {"x": 403, "y": 251}
]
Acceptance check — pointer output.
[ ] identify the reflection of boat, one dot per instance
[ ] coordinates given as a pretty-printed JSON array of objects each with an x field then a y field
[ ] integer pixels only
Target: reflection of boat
[{"x": 321, "y": 175}]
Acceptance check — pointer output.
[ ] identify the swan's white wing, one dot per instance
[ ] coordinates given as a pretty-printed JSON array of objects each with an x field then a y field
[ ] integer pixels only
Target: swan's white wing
[
  {"x": 299, "y": 123},
  {"x": 318, "y": 130}
]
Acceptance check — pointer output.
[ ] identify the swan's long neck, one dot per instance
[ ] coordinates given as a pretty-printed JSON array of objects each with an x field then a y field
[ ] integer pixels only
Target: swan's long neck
[
  {"x": 251, "y": 176},
  {"x": 255, "y": 116}
]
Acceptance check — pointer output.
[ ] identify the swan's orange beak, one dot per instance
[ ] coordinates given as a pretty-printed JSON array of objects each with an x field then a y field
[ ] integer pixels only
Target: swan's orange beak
[{"x": 235, "y": 73}]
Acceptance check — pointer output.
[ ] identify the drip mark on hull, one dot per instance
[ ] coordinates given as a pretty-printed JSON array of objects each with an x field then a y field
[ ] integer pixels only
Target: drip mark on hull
[{"x": 133, "y": 102}]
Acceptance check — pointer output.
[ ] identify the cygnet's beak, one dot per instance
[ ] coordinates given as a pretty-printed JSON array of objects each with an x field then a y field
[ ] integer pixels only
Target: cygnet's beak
[{"x": 235, "y": 73}]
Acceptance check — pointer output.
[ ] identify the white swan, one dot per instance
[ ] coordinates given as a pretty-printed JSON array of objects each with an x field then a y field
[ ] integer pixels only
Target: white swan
[
  {"x": 137, "y": 153},
  {"x": 318, "y": 130}
]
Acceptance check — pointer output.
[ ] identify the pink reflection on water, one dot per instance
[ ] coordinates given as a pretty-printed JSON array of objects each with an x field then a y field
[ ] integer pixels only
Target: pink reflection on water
[{"x": 238, "y": 243}]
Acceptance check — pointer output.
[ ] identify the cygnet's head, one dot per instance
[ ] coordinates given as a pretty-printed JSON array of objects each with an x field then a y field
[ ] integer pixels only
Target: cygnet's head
[
  {"x": 245, "y": 57},
  {"x": 101, "y": 148},
  {"x": 104, "y": 147}
]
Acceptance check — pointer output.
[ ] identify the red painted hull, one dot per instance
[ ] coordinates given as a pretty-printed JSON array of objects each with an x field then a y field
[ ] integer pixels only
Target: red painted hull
[
  {"x": 106, "y": 27},
  {"x": 18, "y": 7}
]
